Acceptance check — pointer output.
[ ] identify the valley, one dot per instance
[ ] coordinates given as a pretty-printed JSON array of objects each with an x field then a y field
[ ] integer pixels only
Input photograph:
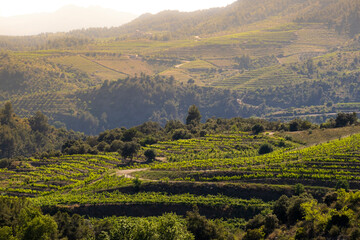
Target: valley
[{"x": 239, "y": 122}]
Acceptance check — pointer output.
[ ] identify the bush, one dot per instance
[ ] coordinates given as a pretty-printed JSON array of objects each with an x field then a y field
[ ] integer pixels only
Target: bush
[
  {"x": 271, "y": 223},
  {"x": 294, "y": 126},
  {"x": 137, "y": 183},
  {"x": 204, "y": 229},
  {"x": 299, "y": 189},
  {"x": 265, "y": 148},
  {"x": 129, "y": 149},
  {"x": 203, "y": 133},
  {"x": 257, "y": 128},
  {"x": 330, "y": 198},
  {"x": 101, "y": 146},
  {"x": 41, "y": 227},
  {"x": 116, "y": 145},
  {"x": 256, "y": 222},
  {"x": 280, "y": 208},
  {"x": 295, "y": 211},
  {"x": 342, "y": 184},
  {"x": 254, "y": 234},
  {"x": 4, "y": 163},
  {"x": 150, "y": 155},
  {"x": 344, "y": 119},
  {"x": 181, "y": 134}
]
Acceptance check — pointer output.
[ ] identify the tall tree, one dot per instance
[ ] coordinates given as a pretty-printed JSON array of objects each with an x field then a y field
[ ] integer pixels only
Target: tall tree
[
  {"x": 194, "y": 115},
  {"x": 39, "y": 122},
  {"x": 6, "y": 114}
]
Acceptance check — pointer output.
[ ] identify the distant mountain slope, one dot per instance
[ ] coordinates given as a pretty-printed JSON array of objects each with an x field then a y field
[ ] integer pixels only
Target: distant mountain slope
[
  {"x": 341, "y": 13},
  {"x": 65, "y": 19}
]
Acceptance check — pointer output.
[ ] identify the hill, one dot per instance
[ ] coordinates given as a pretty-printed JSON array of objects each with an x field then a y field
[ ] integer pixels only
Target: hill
[
  {"x": 127, "y": 179},
  {"x": 278, "y": 60},
  {"x": 244, "y": 14}
]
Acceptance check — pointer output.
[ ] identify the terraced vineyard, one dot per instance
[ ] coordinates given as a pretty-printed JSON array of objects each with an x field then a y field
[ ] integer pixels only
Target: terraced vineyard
[
  {"x": 226, "y": 176},
  {"x": 35, "y": 177},
  {"x": 263, "y": 77},
  {"x": 321, "y": 165},
  {"x": 233, "y": 157},
  {"x": 47, "y": 103},
  {"x": 97, "y": 180},
  {"x": 222, "y": 146}
]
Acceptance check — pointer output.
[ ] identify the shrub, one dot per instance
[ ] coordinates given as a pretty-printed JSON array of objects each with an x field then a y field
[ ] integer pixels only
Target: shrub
[
  {"x": 280, "y": 208},
  {"x": 257, "y": 128},
  {"x": 137, "y": 183},
  {"x": 299, "y": 189},
  {"x": 150, "y": 155},
  {"x": 265, "y": 148},
  {"x": 254, "y": 234},
  {"x": 342, "y": 184},
  {"x": 181, "y": 134},
  {"x": 204, "y": 229}
]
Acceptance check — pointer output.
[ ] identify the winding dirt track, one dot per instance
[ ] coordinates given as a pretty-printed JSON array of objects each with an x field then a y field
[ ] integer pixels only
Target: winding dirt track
[{"x": 126, "y": 173}]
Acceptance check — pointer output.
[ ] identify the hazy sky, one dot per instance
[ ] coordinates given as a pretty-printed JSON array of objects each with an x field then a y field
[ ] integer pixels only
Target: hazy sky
[{"x": 19, "y": 7}]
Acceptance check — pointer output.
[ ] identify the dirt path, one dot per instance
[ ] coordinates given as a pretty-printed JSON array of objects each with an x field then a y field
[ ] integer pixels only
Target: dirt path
[
  {"x": 178, "y": 66},
  {"x": 126, "y": 173}
]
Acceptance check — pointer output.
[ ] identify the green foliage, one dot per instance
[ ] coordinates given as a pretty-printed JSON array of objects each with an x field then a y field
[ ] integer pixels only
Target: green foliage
[
  {"x": 19, "y": 137},
  {"x": 150, "y": 155},
  {"x": 280, "y": 208},
  {"x": 41, "y": 227},
  {"x": 181, "y": 134},
  {"x": 130, "y": 149},
  {"x": 290, "y": 210},
  {"x": 137, "y": 183},
  {"x": 254, "y": 234},
  {"x": 343, "y": 119},
  {"x": 257, "y": 128},
  {"x": 244, "y": 62},
  {"x": 204, "y": 229},
  {"x": 19, "y": 219},
  {"x": 271, "y": 223},
  {"x": 167, "y": 226},
  {"x": 265, "y": 148},
  {"x": 72, "y": 227},
  {"x": 39, "y": 123},
  {"x": 266, "y": 224},
  {"x": 342, "y": 184},
  {"x": 129, "y": 135},
  {"x": 299, "y": 189},
  {"x": 193, "y": 116},
  {"x": 6, "y": 233},
  {"x": 157, "y": 99}
]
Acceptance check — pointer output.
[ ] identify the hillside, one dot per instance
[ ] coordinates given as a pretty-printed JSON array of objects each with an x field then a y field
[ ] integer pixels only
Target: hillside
[
  {"x": 243, "y": 14},
  {"x": 277, "y": 59},
  {"x": 126, "y": 180},
  {"x": 234, "y": 123}
]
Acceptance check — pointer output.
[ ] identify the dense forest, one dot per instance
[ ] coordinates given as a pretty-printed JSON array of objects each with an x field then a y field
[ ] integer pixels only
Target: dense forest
[
  {"x": 24, "y": 137},
  {"x": 135, "y": 100}
]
